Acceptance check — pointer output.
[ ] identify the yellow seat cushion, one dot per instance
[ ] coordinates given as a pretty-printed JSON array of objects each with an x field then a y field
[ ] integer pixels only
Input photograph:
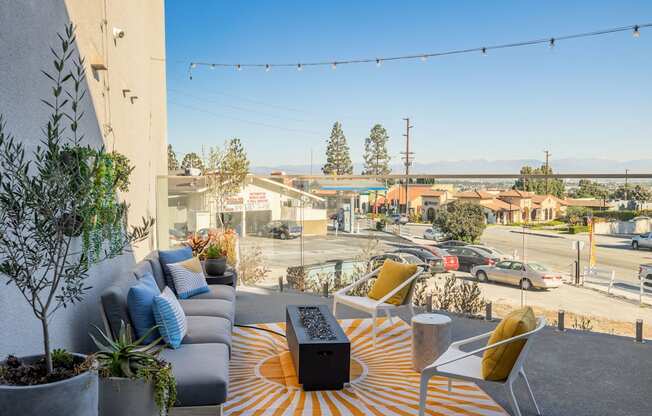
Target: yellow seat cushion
[
  {"x": 498, "y": 362},
  {"x": 391, "y": 275}
]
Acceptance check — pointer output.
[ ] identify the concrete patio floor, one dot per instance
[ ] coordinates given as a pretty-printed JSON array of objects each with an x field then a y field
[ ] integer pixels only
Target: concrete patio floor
[{"x": 572, "y": 373}]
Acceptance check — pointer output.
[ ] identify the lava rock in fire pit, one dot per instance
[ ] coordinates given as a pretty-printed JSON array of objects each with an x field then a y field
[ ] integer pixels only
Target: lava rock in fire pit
[{"x": 315, "y": 323}]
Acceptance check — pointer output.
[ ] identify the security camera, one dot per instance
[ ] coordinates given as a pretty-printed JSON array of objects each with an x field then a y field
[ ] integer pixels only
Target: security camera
[{"x": 118, "y": 33}]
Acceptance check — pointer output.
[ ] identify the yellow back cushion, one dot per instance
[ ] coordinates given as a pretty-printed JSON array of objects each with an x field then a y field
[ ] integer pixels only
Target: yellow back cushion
[
  {"x": 498, "y": 362},
  {"x": 391, "y": 275}
]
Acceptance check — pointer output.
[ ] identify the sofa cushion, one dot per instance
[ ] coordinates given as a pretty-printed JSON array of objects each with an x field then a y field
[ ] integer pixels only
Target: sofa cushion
[
  {"x": 143, "y": 268},
  {"x": 223, "y": 292},
  {"x": 157, "y": 270},
  {"x": 140, "y": 302},
  {"x": 189, "y": 279},
  {"x": 170, "y": 318},
  {"x": 201, "y": 372},
  {"x": 114, "y": 305},
  {"x": 209, "y": 307},
  {"x": 172, "y": 256},
  {"x": 497, "y": 362},
  {"x": 208, "y": 330}
]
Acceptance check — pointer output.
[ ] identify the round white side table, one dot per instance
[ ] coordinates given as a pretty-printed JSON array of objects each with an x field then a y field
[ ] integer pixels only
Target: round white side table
[{"x": 431, "y": 337}]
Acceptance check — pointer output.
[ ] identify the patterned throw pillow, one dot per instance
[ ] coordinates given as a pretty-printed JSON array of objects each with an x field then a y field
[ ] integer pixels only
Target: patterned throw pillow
[
  {"x": 170, "y": 318},
  {"x": 189, "y": 279},
  {"x": 176, "y": 255}
]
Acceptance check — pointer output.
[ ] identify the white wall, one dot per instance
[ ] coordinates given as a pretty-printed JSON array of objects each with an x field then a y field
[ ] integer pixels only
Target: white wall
[
  {"x": 624, "y": 227},
  {"x": 137, "y": 127}
]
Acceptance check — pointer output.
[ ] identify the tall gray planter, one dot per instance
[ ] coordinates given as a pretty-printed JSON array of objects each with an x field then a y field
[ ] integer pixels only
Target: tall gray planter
[
  {"x": 124, "y": 396},
  {"x": 76, "y": 396}
]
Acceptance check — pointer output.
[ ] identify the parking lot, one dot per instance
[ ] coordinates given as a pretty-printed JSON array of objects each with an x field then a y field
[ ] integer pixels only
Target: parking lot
[{"x": 608, "y": 313}]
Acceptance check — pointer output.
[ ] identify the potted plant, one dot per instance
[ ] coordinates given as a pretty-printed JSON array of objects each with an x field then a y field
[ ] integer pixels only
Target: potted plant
[
  {"x": 133, "y": 380},
  {"x": 49, "y": 200},
  {"x": 215, "y": 263}
]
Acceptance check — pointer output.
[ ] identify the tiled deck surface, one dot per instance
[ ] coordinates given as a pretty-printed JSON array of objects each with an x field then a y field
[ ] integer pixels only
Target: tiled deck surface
[{"x": 572, "y": 373}]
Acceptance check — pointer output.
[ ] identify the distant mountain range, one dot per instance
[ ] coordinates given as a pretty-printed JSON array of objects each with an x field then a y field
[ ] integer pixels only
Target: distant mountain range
[{"x": 569, "y": 165}]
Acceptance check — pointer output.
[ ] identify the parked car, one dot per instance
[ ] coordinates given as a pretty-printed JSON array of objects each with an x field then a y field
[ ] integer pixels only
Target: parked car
[
  {"x": 282, "y": 229},
  {"x": 398, "y": 219},
  {"x": 469, "y": 257},
  {"x": 435, "y": 262},
  {"x": 406, "y": 258},
  {"x": 434, "y": 234},
  {"x": 452, "y": 243},
  {"x": 642, "y": 241},
  {"x": 492, "y": 251},
  {"x": 525, "y": 275},
  {"x": 451, "y": 263}
]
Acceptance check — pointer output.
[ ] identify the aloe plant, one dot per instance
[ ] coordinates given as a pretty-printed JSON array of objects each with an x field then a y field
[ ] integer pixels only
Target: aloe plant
[{"x": 128, "y": 358}]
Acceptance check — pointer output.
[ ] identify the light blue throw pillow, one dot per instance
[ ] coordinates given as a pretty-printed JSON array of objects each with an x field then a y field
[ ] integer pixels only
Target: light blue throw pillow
[
  {"x": 140, "y": 302},
  {"x": 189, "y": 278},
  {"x": 170, "y": 318},
  {"x": 172, "y": 256}
]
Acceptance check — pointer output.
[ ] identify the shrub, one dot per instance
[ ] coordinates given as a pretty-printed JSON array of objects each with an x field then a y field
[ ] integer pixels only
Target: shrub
[
  {"x": 576, "y": 229},
  {"x": 459, "y": 296},
  {"x": 461, "y": 221},
  {"x": 252, "y": 268}
]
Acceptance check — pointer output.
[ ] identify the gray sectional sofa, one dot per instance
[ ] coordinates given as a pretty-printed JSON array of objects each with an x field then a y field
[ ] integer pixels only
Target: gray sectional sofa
[{"x": 201, "y": 364}]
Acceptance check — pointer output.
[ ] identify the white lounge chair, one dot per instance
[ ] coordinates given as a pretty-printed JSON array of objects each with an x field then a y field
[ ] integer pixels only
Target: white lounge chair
[
  {"x": 372, "y": 306},
  {"x": 457, "y": 364}
]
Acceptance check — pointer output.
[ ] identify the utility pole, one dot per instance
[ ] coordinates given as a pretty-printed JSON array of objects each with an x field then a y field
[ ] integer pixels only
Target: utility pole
[
  {"x": 626, "y": 188},
  {"x": 407, "y": 158},
  {"x": 547, "y": 170}
]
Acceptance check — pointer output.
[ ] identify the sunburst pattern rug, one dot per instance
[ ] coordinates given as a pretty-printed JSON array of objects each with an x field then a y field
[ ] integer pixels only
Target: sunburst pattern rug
[{"x": 383, "y": 383}]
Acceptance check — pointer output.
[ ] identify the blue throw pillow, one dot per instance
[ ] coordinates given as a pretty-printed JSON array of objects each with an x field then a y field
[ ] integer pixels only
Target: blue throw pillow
[
  {"x": 189, "y": 278},
  {"x": 140, "y": 302},
  {"x": 170, "y": 318},
  {"x": 172, "y": 256}
]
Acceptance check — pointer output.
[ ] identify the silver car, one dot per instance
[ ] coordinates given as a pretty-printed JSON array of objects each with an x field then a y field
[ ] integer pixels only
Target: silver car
[
  {"x": 642, "y": 241},
  {"x": 525, "y": 275},
  {"x": 434, "y": 234}
]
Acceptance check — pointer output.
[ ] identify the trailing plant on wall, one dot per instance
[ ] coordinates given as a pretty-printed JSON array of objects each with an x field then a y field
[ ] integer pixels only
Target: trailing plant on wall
[{"x": 52, "y": 198}]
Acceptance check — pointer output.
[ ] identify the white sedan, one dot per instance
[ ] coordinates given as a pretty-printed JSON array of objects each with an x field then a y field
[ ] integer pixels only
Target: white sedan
[
  {"x": 525, "y": 275},
  {"x": 433, "y": 234}
]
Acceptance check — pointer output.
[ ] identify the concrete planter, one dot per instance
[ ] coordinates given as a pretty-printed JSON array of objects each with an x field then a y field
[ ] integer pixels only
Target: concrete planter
[
  {"x": 76, "y": 396},
  {"x": 215, "y": 267},
  {"x": 124, "y": 396}
]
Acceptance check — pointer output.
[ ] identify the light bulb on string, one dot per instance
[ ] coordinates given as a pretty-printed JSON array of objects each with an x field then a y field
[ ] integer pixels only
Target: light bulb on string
[
  {"x": 424, "y": 58},
  {"x": 193, "y": 65},
  {"x": 238, "y": 67},
  {"x": 267, "y": 67},
  {"x": 334, "y": 65},
  {"x": 299, "y": 67},
  {"x": 484, "y": 51},
  {"x": 212, "y": 66},
  {"x": 378, "y": 62},
  {"x": 551, "y": 43},
  {"x": 636, "y": 33}
]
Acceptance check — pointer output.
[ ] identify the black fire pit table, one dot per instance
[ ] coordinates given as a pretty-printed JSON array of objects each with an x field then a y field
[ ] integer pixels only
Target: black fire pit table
[{"x": 320, "y": 349}]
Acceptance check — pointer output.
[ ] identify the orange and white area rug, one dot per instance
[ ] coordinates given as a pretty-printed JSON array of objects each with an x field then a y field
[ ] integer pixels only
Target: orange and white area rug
[{"x": 383, "y": 383}]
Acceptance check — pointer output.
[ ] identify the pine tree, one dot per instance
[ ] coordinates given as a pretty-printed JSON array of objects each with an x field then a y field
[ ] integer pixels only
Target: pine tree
[
  {"x": 376, "y": 157},
  {"x": 173, "y": 163},
  {"x": 338, "y": 160},
  {"x": 192, "y": 160}
]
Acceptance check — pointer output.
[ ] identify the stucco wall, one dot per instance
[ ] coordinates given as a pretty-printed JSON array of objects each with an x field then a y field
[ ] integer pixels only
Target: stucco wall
[{"x": 135, "y": 127}]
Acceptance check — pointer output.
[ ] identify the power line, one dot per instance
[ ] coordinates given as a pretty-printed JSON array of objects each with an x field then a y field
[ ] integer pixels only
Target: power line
[
  {"x": 550, "y": 41},
  {"x": 256, "y": 123}
]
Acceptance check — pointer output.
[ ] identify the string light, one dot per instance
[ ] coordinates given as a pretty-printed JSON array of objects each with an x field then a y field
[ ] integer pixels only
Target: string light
[
  {"x": 238, "y": 67},
  {"x": 550, "y": 41}
]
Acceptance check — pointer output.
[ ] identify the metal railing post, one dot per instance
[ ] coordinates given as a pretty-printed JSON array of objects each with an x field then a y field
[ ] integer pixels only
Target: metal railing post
[
  {"x": 280, "y": 283},
  {"x": 325, "y": 289},
  {"x": 639, "y": 331},
  {"x": 487, "y": 311},
  {"x": 429, "y": 302},
  {"x": 560, "y": 320}
]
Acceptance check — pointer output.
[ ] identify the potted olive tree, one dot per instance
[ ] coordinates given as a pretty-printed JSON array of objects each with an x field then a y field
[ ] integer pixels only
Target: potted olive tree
[
  {"x": 59, "y": 216},
  {"x": 215, "y": 255},
  {"x": 133, "y": 379}
]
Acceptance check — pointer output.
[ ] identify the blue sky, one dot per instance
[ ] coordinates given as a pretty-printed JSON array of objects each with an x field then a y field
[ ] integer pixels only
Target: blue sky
[{"x": 584, "y": 98}]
